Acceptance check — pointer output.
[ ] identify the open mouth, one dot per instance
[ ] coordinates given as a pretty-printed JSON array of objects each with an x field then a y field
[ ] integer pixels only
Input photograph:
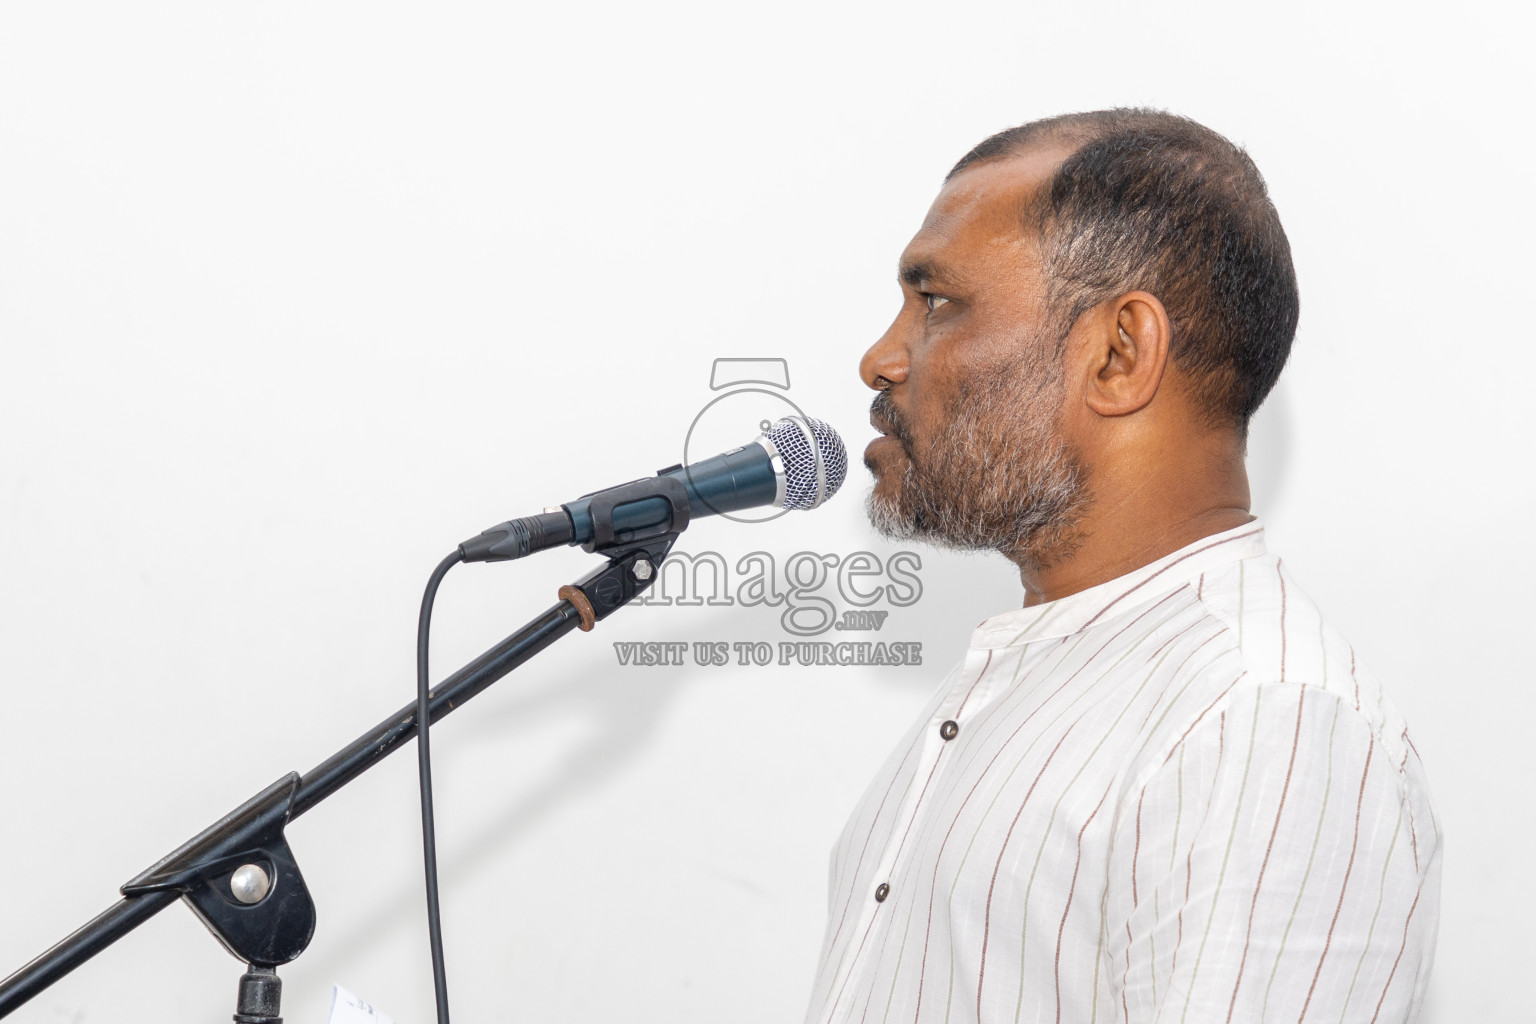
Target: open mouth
[
  {"x": 888, "y": 438},
  {"x": 882, "y": 419},
  {"x": 887, "y": 420}
]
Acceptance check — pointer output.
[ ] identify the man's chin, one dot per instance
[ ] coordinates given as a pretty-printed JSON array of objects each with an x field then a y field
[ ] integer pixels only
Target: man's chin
[{"x": 888, "y": 517}]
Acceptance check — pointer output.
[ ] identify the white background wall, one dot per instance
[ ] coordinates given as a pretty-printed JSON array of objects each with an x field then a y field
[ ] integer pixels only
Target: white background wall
[{"x": 293, "y": 297}]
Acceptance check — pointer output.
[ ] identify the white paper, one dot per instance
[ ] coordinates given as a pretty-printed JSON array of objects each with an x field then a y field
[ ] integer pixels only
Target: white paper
[{"x": 346, "y": 1008}]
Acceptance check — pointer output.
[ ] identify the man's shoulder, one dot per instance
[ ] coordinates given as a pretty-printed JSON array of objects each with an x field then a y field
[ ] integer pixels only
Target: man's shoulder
[{"x": 1281, "y": 639}]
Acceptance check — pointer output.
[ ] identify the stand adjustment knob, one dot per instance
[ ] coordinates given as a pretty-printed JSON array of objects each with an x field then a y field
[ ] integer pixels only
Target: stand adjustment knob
[{"x": 250, "y": 884}]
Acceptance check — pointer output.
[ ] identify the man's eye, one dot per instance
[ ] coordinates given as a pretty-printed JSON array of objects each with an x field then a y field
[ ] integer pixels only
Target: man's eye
[{"x": 934, "y": 301}]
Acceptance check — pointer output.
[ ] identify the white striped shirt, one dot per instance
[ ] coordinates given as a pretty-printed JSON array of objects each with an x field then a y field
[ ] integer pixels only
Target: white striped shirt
[{"x": 1173, "y": 797}]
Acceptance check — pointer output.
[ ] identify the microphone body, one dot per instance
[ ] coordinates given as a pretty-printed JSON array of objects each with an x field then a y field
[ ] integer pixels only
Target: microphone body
[{"x": 797, "y": 463}]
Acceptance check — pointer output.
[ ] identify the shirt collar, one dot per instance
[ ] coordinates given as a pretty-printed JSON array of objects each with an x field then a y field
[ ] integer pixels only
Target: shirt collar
[{"x": 1076, "y": 612}]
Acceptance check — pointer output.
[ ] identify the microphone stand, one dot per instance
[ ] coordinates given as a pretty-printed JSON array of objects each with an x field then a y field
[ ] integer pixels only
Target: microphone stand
[{"x": 239, "y": 875}]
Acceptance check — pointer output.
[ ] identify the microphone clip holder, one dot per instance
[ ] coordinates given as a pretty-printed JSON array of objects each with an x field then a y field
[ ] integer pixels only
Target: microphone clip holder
[
  {"x": 601, "y": 504},
  {"x": 634, "y": 556}
]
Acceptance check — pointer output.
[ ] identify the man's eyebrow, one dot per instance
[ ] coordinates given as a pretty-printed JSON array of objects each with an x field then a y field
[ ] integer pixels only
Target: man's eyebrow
[{"x": 916, "y": 272}]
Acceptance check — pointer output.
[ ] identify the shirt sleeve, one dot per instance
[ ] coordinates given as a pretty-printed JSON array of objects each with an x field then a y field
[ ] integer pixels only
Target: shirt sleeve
[{"x": 1277, "y": 866}]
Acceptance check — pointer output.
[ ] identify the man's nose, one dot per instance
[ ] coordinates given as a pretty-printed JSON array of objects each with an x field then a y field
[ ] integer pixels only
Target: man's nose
[{"x": 885, "y": 363}]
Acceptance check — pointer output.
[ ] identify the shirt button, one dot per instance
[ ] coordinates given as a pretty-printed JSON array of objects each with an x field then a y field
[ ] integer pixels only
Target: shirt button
[
  {"x": 949, "y": 730},
  {"x": 881, "y": 892}
]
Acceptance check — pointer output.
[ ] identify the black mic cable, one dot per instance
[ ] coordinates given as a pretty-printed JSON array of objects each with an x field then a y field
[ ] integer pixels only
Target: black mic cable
[{"x": 424, "y": 770}]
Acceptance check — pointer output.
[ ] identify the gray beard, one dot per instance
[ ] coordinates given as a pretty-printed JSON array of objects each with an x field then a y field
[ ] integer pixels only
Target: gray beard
[{"x": 999, "y": 476}]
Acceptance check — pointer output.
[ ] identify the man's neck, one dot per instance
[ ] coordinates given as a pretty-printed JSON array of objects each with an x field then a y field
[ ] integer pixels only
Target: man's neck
[{"x": 1144, "y": 521}]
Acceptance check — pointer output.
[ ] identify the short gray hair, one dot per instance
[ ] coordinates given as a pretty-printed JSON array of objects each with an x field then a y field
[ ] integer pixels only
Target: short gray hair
[{"x": 1156, "y": 202}]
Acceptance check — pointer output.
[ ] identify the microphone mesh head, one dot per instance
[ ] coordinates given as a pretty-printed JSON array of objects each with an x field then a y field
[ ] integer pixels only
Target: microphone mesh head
[{"x": 802, "y": 454}]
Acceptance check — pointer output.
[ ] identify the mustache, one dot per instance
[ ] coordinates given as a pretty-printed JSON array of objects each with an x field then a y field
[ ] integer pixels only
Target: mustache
[{"x": 889, "y": 420}]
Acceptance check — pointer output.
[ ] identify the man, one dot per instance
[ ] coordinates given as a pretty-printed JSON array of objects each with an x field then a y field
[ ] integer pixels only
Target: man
[{"x": 1164, "y": 789}]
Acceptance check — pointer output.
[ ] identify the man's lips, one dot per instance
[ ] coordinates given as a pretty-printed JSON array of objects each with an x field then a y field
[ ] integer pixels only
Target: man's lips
[
  {"x": 883, "y": 425},
  {"x": 872, "y": 453},
  {"x": 890, "y": 433},
  {"x": 885, "y": 419},
  {"x": 884, "y": 442}
]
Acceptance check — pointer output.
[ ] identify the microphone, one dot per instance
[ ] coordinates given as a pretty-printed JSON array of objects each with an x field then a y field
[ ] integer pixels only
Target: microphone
[{"x": 798, "y": 463}]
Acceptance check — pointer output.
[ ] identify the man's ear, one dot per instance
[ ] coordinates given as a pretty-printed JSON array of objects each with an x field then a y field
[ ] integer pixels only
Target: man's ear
[{"x": 1127, "y": 342}]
